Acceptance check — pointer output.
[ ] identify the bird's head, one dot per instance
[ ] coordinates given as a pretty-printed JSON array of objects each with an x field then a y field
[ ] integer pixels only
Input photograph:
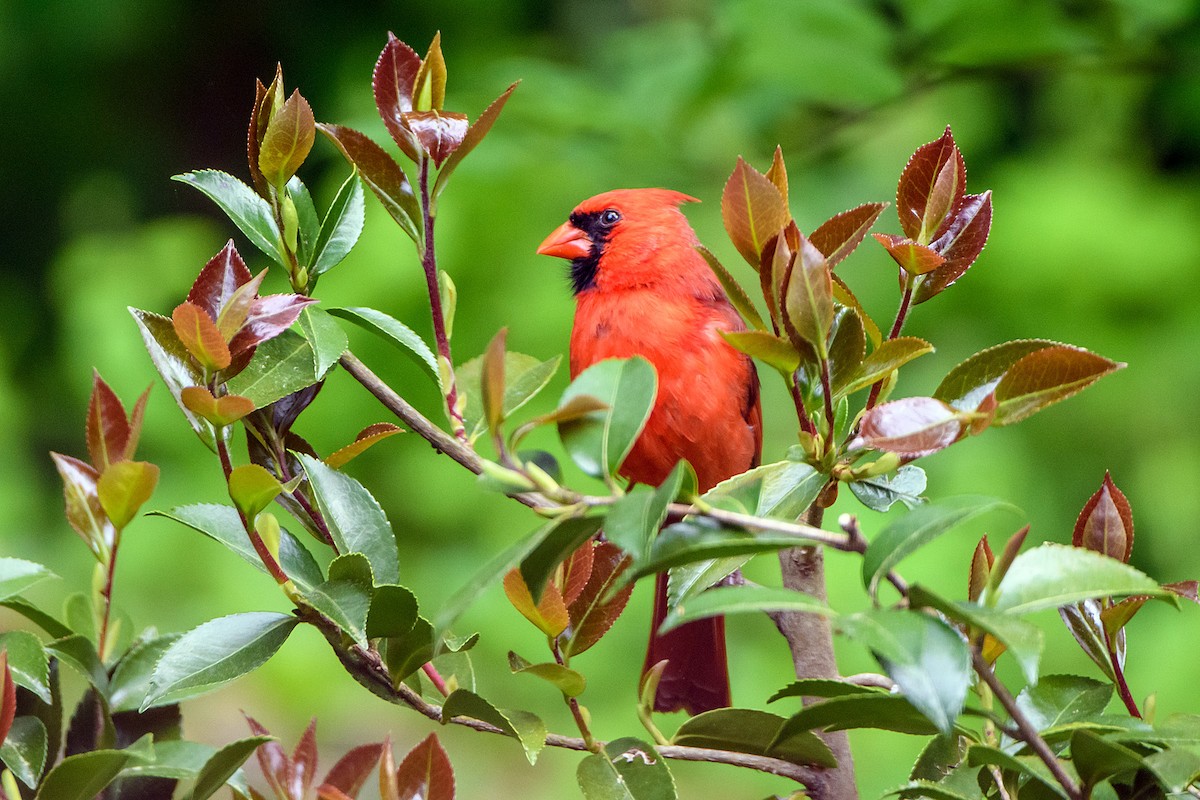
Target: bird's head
[{"x": 625, "y": 236}]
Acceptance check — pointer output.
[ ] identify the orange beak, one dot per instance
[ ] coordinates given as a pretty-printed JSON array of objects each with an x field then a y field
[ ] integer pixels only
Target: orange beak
[{"x": 566, "y": 241}]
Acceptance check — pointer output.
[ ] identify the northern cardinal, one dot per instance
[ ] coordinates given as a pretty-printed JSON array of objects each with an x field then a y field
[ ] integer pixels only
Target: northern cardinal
[{"x": 641, "y": 288}]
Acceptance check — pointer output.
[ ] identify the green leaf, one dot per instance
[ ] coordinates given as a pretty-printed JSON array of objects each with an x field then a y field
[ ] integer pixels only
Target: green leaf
[
  {"x": 326, "y": 337},
  {"x": 341, "y": 227},
  {"x": 1175, "y": 769},
  {"x": 889, "y": 356},
  {"x": 222, "y": 765},
  {"x": 600, "y": 440},
  {"x": 916, "y": 529},
  {"x": 356, "y": 522},
  {"x": 382, "y": 175},
  {"x": 1063, "y": 699},
  {"x": 766, "y": 347},
  {"x": 737, "y": 295},
  {"x": 566, "y": 680},
  {"x": 632, "y": 521},
  {"x": 1096, "y": 758},
  {"x": 393, "y": 612},
  {"x": 744, "y": 730},
  {"x": 28, "y": 663},
  {"x": 173, "y": 758},
  {"x": 394, "y": 332},
  {"x": 408, "y": 652},
  {"x": 131, "y": 678},
  {"x": 306, "y": 217},
  {"x": 252, "y": 489},
  {"x": 251, "y": 213},
  {"x": 701, "y": 539},
  {"x": 222, "y": 524},
  {"x": 1054, "y": 575},
  {"x": 217, "y": 652},
  {"x": 724, "y": 600},
  {"x": 782, "y": 490},
  {"x": 1045, "y": 377},
  {"x": 83, "y": 776},
  {"x": 175, "y": 366},
  {"x": 525, "y": 376},
  {"x": 521, "y": 725},
  {"x": 1023, "y": 640},
  {"x": 979, "y": 755},
  {"x": 346, "y": 597},
  {"x": 287, "y": 140},
  {"x": 24, "y": 749},
  {"x": 629, "y": 769},
  {"x": 35, "y": 615},
  {"x": 889, "y": 712},
  {"x": 17, "y": 575},
  {"x": 554, "y": 548},
  {"x": 79, "y": 652},
  {"x": 808, "y": 298},
  {"x": 882, "y": 491},
  {"x": 820, "y": 687},
  {"x": 926, "y": 658},
  {"x": 969, "y": 383},
  {"x": 928, "y": 790},
  {"x": 280, "y": 366}
]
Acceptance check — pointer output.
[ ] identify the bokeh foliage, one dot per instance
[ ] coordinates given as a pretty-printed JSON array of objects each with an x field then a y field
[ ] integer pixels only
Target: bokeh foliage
[{"x": 1083, "y": 117}]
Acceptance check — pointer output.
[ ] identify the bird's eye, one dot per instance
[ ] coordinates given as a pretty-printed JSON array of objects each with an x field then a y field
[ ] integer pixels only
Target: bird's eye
[{"x": 610, "y": 217}]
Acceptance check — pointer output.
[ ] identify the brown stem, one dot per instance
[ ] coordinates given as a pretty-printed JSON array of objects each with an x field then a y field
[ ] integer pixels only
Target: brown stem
[
  {"x": 810, "y": 638},
  {"x": 1122, "y": 685},
  {"x": 806, "y": 424},
  {"x": 827, "y": 390},
  {"x": 1028, "y": 733},
  {"x": 442, "y": 341}
]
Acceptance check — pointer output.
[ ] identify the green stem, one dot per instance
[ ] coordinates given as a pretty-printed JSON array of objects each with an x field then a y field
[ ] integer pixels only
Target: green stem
[{"x": 260, "y": 546}]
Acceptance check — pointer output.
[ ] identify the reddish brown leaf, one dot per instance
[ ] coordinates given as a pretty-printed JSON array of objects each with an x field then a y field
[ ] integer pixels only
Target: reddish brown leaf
[
  {"x": 199, "y": 334},
  {"x": 327, "y": 792},
  {"x": 777, "y": 174},
  {"x": 1117, "y": 616},
  {"x": 135, "y": 423},
  {"x": 972, "y": 381},
  {"x": 108, "y": 430},
  {"x": 425, "y": 773},
  {"x": 1045, "y": 377},
  {"x": 271, "y": 759},
  {"x": 913, "y": 258},
  {"x": 8, "y": 697},
  {"x": 575, "y": 572},
  {"x": 475, "y": 133},
  {"x": 753, "y": 211},
  {"x": 351, "y": 771},
  {"x": 381, "y": 173},
  {"x": 219, "y": 279},
  {"x": 981, "y": 567},
  {"x": 960, "y": 244},
  {"x": 124, "y": 487},
  {"x": 439, "y": 133},
  {"x": 219, "y": 411},
  {"x": 591, "y": 616},
  {"x": 1105, "y": 525},
  {"x": 838, "y": 236},
  {"x": 1011, "y": 548},
  {"x": 254, "y": 137},
  {"x": 269, "y": 316},
  {"x": 303, "y": 766},
  {"x": 491, "y": 378},
  {"x": 549, "y": 615},
  {"x": 83, "y": 509},
  {"x": 429, "y": 88},
  {"x": 366, "y": 439},
  {"x": 288, "y": 140},
  {"x": 917, "y": 185},
  {"x": 237, "y": 309},
  {"x": 395, "y": 73},
  {"x": 984, "y": 415},
  {"x": 912, "y": 426},
  {"x": 1188, "y": 590},
  {"x": 807, "y": 293}
]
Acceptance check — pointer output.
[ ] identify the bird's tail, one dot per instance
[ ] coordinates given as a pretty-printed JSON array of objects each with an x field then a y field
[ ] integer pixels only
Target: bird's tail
[{"x": 697, "y": 677}]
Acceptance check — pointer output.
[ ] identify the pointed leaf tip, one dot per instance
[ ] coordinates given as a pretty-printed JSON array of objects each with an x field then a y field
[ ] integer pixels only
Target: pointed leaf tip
[{"x": 1105, "y": 524}]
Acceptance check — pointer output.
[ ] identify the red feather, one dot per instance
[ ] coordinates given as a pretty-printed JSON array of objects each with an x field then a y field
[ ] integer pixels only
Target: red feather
[{"x": 651, "y": 294}]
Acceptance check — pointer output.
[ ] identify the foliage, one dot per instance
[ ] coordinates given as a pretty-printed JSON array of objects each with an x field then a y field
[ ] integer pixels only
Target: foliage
[{"x": 233, "y": 360}]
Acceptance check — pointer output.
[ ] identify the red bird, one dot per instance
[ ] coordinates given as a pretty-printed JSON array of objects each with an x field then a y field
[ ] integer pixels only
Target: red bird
[{"x": 642, "y": 289}]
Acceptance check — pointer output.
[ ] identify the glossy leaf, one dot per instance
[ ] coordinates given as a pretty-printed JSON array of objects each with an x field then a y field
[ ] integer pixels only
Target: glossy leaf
[
  {"x": 219, "y": 281},
  {"x": 872, "y": 709},
  {"x": 548, "y": 613},
  {"x": 218, "y": 769},
  {"x": 393, "y": 78},
  {"x": 969, "y": 383},
  {"x": 566, "y": 680},
  {"x": 425, "y": 773},
  {"x": 1045, "y": 377},
  {"x": 474, "y": 135},
  {"x": 396, "y": 333},
  {"x": 911, "y": 427},
  {"x": 1105, "y": 524},
  {"x": 807, "y": 293},
  {"x": 726, "y": 600},
  {"x": 766, "y": 347},
  {"x": 287, "y": 141},
  {"x": 17, "y": 575},
  {"x": 199, "y": 334},
  {"x": 1096, "y": 758},
  {"x": 753, "y": 211},
  {"x": 220, "y": 411},
  {"x": 883, "y": 360},
  {"x": 556, "y": 547},
  {"x": 325, "y": 337},
  {"x": 960, "y": 244},
  {"x": 217, "y": 652},
  {"x": 1053, "y": 575},
  {"x": 381, "y": 174},
  {"x": 346, "y": 596},
  {"x": 221, "y": 523},
  {"x": 629, "y": 769},
  {"x": 356, "y": 521},
  {"x": 429, "y": 87},
  {"x": 171, "y": 360},
  {"x": 23, "y": 749},
  {"x": 916, "y": 529},
  {"x": 593, "y": 612},
  {"x": 439, "y": 133},
  {"x": 340, "y": 229},
  {"x": 777, "y": 174},
  {"x": 696, "y": 540},
  {"x": 912, "y": 257},
  {"x": 821, "y": 687},
  {"x": 1062, "y": 699},
  {"x": 82, "y": 502},
  {"x": 8, "y": 696},
  {"x": 734, "y": 291},
  {"x": 881, "y": 492},
  {"x": 521, "y": 725},
  {"x": 108, "y": 430},
  {"x": 393, "y": 612},
  {"x": 1176, "y": 769},
  {"x": 281, "y": 366},
  {"x": 847, "y": 347},
  {"x": 745, "y": 730},
  {"x": 124, "y": 488},
  {"x": 131, "y": 677},
  {"x": 838, "y": 236},
  {"x": 252, "y": 489},
  {"x": 268, "y": 317},
  {"x": 600, "y": 441},
  {"x": 981, "y": 568},
  {"x": 84, "y": 775},
  {"x": 367, "y": 438},
  {"x": 27, "y": 664},
  {"x": 250, "y": 212},
  {"x": 1022, "y": 639},
  {"x": 921, "y": 203},
  {"x": 308, "y": 223},
  {"x": 351, "y": 771},
  {"x": 524, "y": 377}
]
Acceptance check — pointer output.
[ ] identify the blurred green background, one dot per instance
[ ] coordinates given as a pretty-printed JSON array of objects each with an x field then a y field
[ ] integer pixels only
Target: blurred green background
[{"x": 1083, "y": 116}]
